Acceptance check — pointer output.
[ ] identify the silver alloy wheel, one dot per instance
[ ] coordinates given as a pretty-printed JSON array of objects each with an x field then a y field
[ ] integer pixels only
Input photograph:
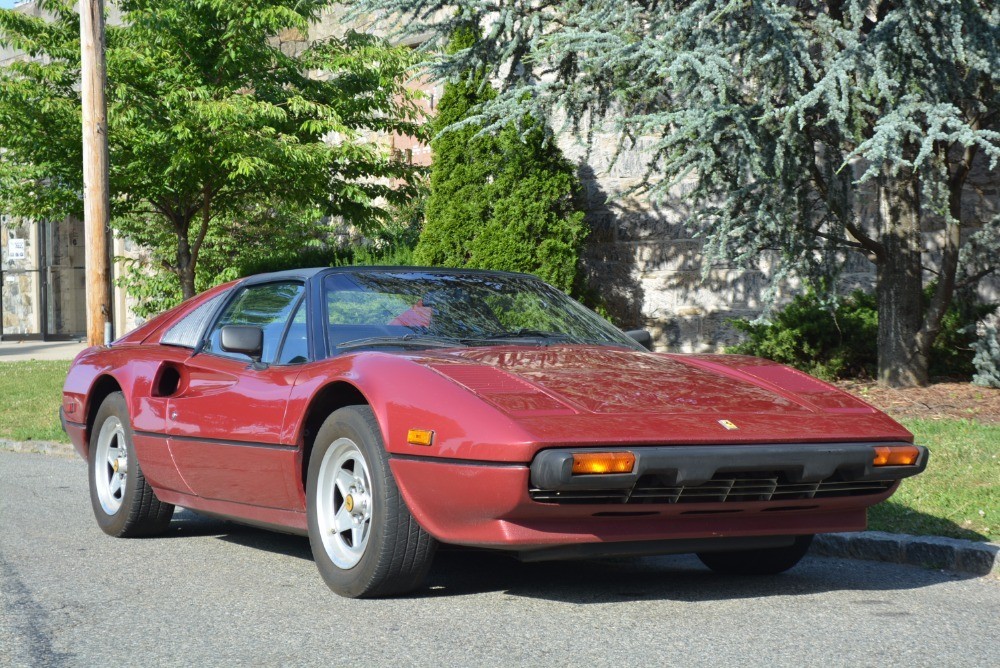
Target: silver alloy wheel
[
  {"x": 344, "y": 503},
  {"x": 111, "y": 465}
]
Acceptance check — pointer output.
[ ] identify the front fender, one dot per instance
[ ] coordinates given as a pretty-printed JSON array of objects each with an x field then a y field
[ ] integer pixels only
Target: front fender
[{"x": 404, "y": 395}]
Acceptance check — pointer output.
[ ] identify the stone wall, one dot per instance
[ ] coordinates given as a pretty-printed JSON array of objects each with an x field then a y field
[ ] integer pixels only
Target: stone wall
[
  {"x": 125, "y": 318},
  {"x": 649, "y": 267}
]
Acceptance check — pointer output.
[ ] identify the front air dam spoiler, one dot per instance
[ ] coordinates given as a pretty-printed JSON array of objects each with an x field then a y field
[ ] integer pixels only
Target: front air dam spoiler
[{"x": 650, "y": 548}]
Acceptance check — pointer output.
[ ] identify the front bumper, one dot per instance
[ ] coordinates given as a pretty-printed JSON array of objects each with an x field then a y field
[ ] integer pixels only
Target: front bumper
[
  {"x": 493, "y": 504},
  {"x": 704, "y": 472}
]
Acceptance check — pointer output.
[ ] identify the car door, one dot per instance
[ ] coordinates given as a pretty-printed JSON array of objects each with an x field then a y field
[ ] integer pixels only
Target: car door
[{"x": 224, "y": 425}]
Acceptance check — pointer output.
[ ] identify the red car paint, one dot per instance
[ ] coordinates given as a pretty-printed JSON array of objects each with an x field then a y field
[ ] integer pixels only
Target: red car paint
[{"x": 231, "y": 439}]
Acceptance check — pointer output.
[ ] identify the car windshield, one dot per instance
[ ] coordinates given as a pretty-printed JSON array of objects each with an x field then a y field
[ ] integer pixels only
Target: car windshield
[{"x": 411, "y": 309}]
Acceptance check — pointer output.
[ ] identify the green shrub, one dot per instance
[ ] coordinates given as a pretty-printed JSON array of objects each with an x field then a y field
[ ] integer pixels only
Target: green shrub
[
  {"x": 315, "y": 256},
  {"x": 392, "y": 246},
  {"x": 842, "y": 341},
  {"x": 828, "y": 343},
  {"x": 506, "y": 202}
]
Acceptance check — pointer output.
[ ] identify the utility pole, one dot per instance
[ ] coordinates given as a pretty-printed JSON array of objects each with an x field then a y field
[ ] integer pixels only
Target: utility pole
[{"x": 95, "y": 171}]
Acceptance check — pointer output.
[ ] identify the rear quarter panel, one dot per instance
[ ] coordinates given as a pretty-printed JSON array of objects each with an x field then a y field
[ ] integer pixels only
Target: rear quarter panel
[
  {"x": 133, "y": 362},
  {"x": 134, "y": 368}
]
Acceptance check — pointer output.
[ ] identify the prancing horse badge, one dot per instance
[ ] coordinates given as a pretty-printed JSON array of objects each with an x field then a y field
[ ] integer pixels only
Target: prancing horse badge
[{"x": 728, "y": 425}]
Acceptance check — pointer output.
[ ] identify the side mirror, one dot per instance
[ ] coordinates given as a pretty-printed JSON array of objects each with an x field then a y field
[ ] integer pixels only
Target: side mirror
[
  {"x": 244, "y": 339},
  {"x": 642, "y": 337}
]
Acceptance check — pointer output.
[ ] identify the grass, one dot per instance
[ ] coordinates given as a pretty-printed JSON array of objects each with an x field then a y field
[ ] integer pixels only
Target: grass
[
  {"x": 956, "y": 496},
  {"x": 30, "y": 395}
]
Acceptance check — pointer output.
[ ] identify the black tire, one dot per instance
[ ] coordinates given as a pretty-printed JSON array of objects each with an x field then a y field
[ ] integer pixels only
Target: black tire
[
  {"x": 757, "y": 562},
  {"x": 138, "y": 511},
  {"x": 398, "y": 552}
]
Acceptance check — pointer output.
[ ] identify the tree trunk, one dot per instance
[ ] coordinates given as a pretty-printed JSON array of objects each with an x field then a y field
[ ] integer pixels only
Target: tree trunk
[
  {"x": 185, "y": 266},
  {"x": 901, "y": 363}
]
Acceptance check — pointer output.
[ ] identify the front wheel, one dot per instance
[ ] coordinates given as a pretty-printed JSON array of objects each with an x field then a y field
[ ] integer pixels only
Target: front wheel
[
  {"x": 363, "y": 537},
  {"x": 757, "y": 562},
  {"x": 124, "y": 503}
]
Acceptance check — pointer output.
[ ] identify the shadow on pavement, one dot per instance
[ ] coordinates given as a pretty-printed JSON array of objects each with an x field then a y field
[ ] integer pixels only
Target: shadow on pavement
[
  {"x": 189, "y": 524},
  {"x": 464, "y": 571},
  {"x": 674, "y": 577}
]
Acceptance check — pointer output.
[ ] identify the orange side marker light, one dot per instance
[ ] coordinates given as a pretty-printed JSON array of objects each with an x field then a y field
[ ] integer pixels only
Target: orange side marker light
[
  {"x": 420, "y": 437},
  {"x": 590, "y": 463},
  {"x": 895, "y": 455}
]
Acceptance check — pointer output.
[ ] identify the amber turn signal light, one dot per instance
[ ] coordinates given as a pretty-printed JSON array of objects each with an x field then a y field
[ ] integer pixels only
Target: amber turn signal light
[
  {"x": 420, "y": 437},
  {"x": 603, "y": 462},
  {"x": 896, "y": 455}
]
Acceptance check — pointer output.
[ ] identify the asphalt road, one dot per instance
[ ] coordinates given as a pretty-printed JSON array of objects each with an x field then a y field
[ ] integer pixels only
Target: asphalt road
[{"x": 215, "y": 593}]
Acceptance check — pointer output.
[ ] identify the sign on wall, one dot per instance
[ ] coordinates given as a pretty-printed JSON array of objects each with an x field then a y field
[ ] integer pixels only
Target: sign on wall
[{"x": 16, "y": 249}]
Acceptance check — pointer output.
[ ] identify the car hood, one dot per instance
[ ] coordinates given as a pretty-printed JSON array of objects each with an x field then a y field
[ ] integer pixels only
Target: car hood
[
  {"x": 604, "y": 380},
  {"x": 570, "y": 394}
]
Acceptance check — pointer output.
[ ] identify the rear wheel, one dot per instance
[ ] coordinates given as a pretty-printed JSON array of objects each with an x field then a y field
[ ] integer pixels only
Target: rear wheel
[
  {"x": 363, "y": 537},
  {"x": 124, "y": 504},
  {"x": 758, "y": 562}
]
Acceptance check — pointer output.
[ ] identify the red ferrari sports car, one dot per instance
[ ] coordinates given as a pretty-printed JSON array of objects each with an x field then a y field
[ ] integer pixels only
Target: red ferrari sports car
[{"x": 381, "y": 411}]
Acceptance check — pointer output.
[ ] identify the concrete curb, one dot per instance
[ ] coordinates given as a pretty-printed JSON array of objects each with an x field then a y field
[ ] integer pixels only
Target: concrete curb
[
  {"x": 952, "y": 554},
  {"x": 39, "y": 447}
]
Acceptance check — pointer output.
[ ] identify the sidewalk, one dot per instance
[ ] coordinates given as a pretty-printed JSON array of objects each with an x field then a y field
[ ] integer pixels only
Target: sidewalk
[{"x": 18, "y": 351}]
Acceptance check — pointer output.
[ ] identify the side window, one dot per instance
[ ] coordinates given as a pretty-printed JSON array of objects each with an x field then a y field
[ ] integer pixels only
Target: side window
[
  {"x": 268, "y": 306},
  {"x": 186, "y": 331},
  {"x": 295, "y": 350}
]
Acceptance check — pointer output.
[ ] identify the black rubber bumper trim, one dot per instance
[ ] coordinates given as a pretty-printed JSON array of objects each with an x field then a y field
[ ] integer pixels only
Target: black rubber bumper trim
[
  {"x": 697, "y": 464},
  {"x": 62, "y": 420}
]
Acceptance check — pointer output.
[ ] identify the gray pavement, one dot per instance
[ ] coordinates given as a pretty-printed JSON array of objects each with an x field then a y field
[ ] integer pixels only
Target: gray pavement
[
  {"x": 19, "y": 351},
  {"x": 967, "y": 556},
  {"x": 214, "y": 593}
]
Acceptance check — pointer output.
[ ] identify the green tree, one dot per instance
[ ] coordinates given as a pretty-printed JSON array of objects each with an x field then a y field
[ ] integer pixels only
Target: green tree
[
  {"x": 813, "y": 127},
  {"x": 219, "y": 128},
  {"x": 507, "y": 202}
]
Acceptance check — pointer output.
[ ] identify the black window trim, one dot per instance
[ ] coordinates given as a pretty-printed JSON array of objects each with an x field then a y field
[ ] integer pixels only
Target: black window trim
[{"x": 299, "y": 303}]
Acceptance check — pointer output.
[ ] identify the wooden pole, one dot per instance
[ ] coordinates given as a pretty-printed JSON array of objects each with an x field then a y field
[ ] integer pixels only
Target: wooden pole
[{"x": 95, "y": 170}]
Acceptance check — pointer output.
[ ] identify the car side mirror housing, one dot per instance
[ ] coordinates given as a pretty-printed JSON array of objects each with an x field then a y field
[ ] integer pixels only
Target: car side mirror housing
[
  {"x": 642, "y": 337},
  {"x": 244, "y": 339}
]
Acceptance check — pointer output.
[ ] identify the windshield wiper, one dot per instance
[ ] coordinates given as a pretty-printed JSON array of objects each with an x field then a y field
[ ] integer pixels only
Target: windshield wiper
[
  {"x": 523, "y": 333},
  {"x": 415, "y": 340}
]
